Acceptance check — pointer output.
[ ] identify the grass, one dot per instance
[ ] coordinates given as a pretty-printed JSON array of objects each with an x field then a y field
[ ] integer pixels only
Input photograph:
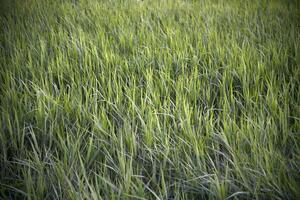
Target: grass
[{"x": 150, "y": 99}]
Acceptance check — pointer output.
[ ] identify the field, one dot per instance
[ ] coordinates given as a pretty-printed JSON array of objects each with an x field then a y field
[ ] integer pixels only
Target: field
[{"x": 170, "y": 99}]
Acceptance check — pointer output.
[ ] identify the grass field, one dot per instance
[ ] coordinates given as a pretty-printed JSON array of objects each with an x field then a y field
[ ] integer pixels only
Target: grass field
[{"x": 150, "y": 99}]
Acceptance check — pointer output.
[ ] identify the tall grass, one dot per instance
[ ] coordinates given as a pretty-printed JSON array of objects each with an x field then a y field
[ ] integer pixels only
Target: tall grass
[{"x": 150, "y": 99}]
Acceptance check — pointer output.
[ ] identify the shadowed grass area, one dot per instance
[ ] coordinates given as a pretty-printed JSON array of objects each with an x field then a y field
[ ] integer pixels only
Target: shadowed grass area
[{"x": 149, "y": 99}]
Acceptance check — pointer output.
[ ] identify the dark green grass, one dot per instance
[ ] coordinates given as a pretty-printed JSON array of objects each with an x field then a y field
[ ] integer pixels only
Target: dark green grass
[{"x": 149, "y": 99}]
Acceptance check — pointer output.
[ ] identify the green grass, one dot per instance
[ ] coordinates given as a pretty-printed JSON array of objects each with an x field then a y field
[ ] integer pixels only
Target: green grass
[{"x": 150, "y": 99}]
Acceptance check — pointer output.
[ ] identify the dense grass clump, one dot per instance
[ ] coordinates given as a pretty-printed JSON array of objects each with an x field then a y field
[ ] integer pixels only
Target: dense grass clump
[{"x": 166, "y": 99}]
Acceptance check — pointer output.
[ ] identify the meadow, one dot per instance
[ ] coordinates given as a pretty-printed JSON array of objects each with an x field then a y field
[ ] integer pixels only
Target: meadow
[{"x": 170, "y": 99}]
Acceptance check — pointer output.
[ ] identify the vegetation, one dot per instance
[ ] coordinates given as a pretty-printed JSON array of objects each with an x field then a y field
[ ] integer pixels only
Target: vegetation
[{"x": 132, "y": 99}]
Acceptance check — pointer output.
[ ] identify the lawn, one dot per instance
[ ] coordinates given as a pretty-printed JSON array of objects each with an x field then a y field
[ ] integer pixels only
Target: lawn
[{"x": 170, "y": 99}]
